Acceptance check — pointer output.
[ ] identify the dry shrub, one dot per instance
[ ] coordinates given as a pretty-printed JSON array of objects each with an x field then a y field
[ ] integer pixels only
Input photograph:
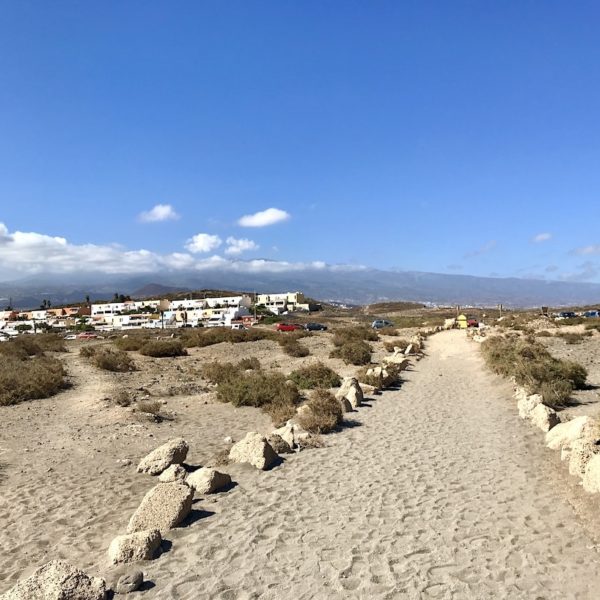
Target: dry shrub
[
  {"x": 316, "y": 375},
  {"x": 216, "y": 335},
  {"x": 355, "y": 352},
  {"x": 249, "y": 363},
  {"x": 534, "y": 368},
  {"x": 387, "y": 331},
  {"x": 324, "y": 414},
  {"x": 122, "y": 398},
  {"x": 543, "y": 333},
  {"x": 397, "y": 343},
  {"x": 51, "y": 342},
  {"x": 108, "y": 359},
  {"x": 21, "y": 347},
  {"x": 362, "y": 377},
  {"x": 292, "y": 347},
  {"x": 149, "y": 406},
  {"x": 29, "y": 378},
  {"x": 131, "y": 343},
  {"x": 163, "y": 348},
  {"x": 346, "y": 335},
  {"x": 218, "y": 372}
]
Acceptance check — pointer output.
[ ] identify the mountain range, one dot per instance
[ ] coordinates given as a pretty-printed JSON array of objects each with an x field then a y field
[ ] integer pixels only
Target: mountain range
[{"x": 360, "y": 286}]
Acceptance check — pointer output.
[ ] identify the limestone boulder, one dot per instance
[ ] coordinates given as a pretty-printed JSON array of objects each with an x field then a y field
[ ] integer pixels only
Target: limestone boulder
[
  {"x": 172, "y": 452},
  {"x": 544, "y": 417},
  {"x": 564, "y": 434},
  {"x": 526, "y": 404},
  {"x": 583, "y": 449},
  {"x": 133, "y": 547},
  {"x": 162, "y": 508},
  {"x": 58, "y": 580},
  {"x": 208, "y": 480},
  {"x": 345, "y": 404},
  {"x": 292, "y": 434},
  {"x": 351, "y": 390},
  {"x": 130, "y": 582},
  {"x": 591, "y": 476},
  {"x": 255, "y": 450},
  {"x": 173, "y": 473}
]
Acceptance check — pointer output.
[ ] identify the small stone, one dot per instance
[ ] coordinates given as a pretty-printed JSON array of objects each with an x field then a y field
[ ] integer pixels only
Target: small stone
[{"x": 130, "y": 582}]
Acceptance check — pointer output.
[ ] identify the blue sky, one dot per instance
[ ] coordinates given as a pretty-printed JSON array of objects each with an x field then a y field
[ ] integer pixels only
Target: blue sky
[{"x": 434, "y": 136}]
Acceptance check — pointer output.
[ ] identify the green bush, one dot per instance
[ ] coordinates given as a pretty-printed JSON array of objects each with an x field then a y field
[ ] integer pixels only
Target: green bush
[
  {"x": 316, "y": 375},
  {"x": 354, "y": 352},
  {"x": 163, "y": 348}
]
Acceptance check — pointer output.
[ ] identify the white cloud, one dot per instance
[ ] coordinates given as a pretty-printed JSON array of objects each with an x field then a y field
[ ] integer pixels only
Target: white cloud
[
  {"x": 203, "y": 242},
  {"x": 541, "y": 237},
  {"x": 160, "y": 212},
  {"x": 270, "y": 216},
  {"x": 26, "y": 253},
  {"x": 237, "y": 246},
  {"x": 587, "y": 250}
]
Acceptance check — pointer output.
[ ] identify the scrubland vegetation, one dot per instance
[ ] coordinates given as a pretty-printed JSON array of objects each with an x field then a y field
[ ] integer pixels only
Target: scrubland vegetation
[
  {"x": 316, "y": 375},
  {"x": 109, "y": 359},
  {"x": 534, "y": 368},
  {"x": 323, "y": 413}
]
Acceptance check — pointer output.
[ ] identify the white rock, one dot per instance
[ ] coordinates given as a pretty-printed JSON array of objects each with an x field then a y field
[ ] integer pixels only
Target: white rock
[
  {"x": 564, "y": 434},
  {"x": 351, "y": 390},
  {"x": 255, "y": 450},
  {"x": 58, "y": 580},
  {"x": 208, "y": 480},
  {"x": 526, "y": 404},
  {"x": 173, "y": 473},
  {"x": 172, "y": 452},
  {"x": 544, "y": 417},
  {"x": 133, "y": 547},
  {"x": 162, "y": 508},
  {"x": 591, "y": 477},
  {"x": 345, "y": 404},
  {"x": 582, "y": 451}
]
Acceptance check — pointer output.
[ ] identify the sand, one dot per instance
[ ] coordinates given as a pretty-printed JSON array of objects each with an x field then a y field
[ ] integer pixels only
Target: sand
[{"x": 436, "y": 490}]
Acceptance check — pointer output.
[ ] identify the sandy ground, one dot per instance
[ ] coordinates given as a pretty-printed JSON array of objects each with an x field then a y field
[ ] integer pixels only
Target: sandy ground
[{"x": 437, "y": 490}]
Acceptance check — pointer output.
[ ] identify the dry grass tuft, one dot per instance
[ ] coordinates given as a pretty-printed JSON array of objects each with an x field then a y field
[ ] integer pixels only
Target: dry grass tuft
[
  {"x": 163, "y": 348},
  {"x": 356, "y": 352},
  {"x": 109, "y": 359}
]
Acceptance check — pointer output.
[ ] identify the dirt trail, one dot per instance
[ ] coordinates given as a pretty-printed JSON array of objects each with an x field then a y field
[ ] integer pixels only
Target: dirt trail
[{"x": 437, "y": 491}]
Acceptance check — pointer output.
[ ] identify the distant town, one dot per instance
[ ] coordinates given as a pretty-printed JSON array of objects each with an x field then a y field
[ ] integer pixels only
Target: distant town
[{"x": 124, "y": 314}]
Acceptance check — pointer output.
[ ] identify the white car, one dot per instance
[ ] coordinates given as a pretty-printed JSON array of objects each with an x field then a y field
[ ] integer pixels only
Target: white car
[{"x": 70, "y": 336}]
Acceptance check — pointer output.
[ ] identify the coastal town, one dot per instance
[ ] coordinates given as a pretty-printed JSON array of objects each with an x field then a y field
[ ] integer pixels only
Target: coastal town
[{"x": 125, "y": 314}]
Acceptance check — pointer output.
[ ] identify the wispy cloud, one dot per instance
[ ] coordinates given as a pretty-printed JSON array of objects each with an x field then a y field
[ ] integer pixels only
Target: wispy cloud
[
  {"x": 158, "y": 213},
  {"x": 203, "y": 242},
  {"x": 487, "y": 247},
  {"x": 587, "y": 250},
  {"x": 541, "y": 237},
  {"x": 237, "y": 246},
  {"x": 586, "y": 271},
  {"x": 29, "y": 253},
  {"x": 263, "y": 218}
]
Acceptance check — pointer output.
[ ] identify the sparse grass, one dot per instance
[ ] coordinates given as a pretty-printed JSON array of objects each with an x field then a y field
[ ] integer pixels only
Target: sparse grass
[
  {"x": 249, "y": 363},
  {"x": 215, "y": 335},
  {"x": 387, "y": 331},
  {"x": 292, "y": 347},
  {"x": 315, "y": 375},
  {"x": 324, "y": 413},
  {"x": 572, "y": 338},
  {"x": 356, "y": 352},
  {"x": 163, "y": 348},
  {"x": 29, "y": 377},
  {"x": 131, "y": 343},
  {"x": 544, "y": 333},
  {"x": 595, "y": 325},
  {"x": 108, "y": 359},
  {"x": 218, "y": 372},
  {"x": 534, "y": 368}
]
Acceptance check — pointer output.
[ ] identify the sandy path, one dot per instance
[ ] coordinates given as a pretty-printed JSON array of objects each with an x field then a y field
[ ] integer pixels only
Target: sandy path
[{"x": 439, "y": 491}]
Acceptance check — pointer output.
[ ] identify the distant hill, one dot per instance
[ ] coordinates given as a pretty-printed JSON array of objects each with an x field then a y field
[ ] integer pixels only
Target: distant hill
[{"x": 365, "y": 286}]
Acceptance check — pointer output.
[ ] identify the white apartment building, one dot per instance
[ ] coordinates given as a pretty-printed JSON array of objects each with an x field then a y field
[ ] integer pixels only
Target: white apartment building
[{"x": 282, "y": 302}]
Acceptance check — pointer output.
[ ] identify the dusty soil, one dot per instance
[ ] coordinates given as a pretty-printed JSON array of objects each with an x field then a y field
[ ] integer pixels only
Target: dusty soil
[{"x": 435, "y": 490}]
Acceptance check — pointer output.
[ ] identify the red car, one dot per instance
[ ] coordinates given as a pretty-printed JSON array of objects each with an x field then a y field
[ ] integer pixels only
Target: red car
[
  {"x": 87, "y": 335},
  {"x": 288, "y": 327}
]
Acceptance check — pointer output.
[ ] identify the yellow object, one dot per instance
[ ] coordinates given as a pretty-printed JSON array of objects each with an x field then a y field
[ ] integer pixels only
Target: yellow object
[{"x": 461, "y": 320}]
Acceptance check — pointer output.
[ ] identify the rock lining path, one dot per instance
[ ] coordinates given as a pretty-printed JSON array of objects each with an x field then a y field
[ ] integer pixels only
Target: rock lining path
[{"x": 438, "y": 491}]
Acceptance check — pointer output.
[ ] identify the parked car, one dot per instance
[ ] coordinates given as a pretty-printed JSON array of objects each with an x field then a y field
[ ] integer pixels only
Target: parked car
[
  {"x": 315, "y": 327},
  {"x": 288, "y": 326},
  {"x": 238, "y": 326},
  {"x": 591, "y": 314},
  {"x": 567, "y": 314},
  {"x": 381, "y": 323},
  {"x": 472, "y": 322},
  {"x": 70, "y": 336},
  {"x": 87, "y": 335}
]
